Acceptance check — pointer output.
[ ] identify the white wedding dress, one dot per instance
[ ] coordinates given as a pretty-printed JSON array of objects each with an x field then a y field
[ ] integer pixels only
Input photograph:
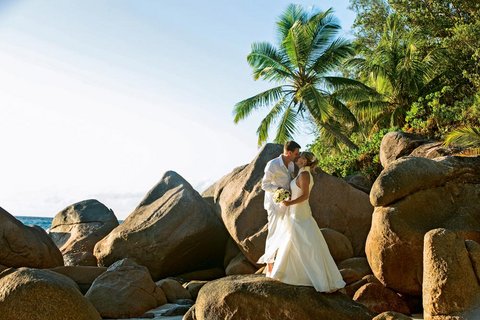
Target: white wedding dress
[{"x": 302, "y": 256}]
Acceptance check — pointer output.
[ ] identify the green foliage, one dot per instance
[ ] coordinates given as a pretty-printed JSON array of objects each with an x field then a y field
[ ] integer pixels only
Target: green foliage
[
  {"x": 302, "y": 65},
  {"x": 434, "y": 117},
  {"x": 342, "y": 163},
  {"x": 467, "y": 137},
  {"x": 413, "y": 65},
  {"x": 368, "y": 24},
  {"x": 453, "y": 25},
  {"x": 398, "y": 72}
]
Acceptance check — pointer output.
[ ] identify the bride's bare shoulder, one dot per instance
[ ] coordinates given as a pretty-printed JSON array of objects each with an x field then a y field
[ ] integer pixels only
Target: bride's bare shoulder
[{"x": 304, "y": 176}]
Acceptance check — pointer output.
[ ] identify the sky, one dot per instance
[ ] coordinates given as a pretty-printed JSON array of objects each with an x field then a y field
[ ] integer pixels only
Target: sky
[{"x": 98, "y": 99}]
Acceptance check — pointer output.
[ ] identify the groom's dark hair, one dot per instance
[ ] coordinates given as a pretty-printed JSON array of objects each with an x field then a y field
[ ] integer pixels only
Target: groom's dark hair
[{"x": 291, "y": 146}]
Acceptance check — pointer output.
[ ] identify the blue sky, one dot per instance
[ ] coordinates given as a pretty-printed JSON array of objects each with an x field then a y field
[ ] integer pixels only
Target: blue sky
[{"x": 99, "y": 98}]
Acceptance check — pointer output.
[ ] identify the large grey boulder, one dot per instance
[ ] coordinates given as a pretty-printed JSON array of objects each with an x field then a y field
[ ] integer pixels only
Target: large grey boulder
[
  {"x": 77, "y": 228},
  {"x": 125, "y": 290},
  {"x": 172, "y": 231},
  {"x": 339, "y": 245},
  {"x": 434, "y": 150},
  {"x": 397, "y": 144},
  {"x": 22, "y": 246},
  {"x": 255, "y": 297},
  {"x": 451, "y": 288},
  {"x": 378, "y": 299},
  {"x": 412, "y": 196},
  {"x": 339, "y": 206},
  {"x": 82, "y": 275},
  {"x": 238, "y": 199},
  {"x": 38, "y": 294}
]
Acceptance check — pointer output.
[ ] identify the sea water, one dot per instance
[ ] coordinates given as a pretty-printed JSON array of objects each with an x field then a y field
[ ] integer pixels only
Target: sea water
[{"x": 42, "y": 222}]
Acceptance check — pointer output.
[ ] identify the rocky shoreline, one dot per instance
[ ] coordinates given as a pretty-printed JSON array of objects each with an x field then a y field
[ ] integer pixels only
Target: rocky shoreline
[{"x": 409, "y": 246}]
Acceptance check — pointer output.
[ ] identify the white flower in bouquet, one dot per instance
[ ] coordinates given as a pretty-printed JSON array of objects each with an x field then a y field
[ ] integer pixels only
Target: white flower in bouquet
[{"x": 281, "y": 195}]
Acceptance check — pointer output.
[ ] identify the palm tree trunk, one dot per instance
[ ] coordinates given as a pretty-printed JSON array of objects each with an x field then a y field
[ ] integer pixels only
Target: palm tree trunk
[{"x": 340, "y": 136}]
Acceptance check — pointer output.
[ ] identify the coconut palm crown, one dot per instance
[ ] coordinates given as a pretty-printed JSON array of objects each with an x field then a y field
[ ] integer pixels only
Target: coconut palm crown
[
  {"x": 398, "y": 72},
  {"x": 302, "y": 66}
]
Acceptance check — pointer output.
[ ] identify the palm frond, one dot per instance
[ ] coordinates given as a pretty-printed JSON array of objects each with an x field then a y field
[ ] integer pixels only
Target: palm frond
[
  {"x": 317, "y": 103},
  {"x": 342, "y": 82},
  {"x": 292, "y": 14},
  {"x": 343, "y": 112},
  {"x": 467, "y": 137},
  {"x": 355, "y": 94},
  {"x": 262, "y": 131},
  {"x": 296, "y": 45},
  {"x": 286, "y": 126},
  {"x": 243, "y": 108},
  {"x": 268, "y": 62},
  {"x": 325, "y": 59},
  {"x": 371, "y": 112},
  {"x": 322, "y": 29}
]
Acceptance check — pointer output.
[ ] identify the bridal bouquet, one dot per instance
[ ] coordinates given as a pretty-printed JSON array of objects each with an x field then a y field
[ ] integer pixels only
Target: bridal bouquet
[{"x": 280, "y": 195}]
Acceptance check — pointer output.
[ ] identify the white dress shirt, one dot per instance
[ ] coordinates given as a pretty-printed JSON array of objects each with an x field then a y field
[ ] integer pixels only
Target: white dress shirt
[{"x": 277, "y": 175}]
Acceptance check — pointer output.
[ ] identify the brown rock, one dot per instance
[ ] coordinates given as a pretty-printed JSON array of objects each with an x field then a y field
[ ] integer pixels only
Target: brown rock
[
  {"x": 190, "y": 315},
  {"x": 238, "y": 197},
  {"x": 378, "y": 299},
  {"x": 256, "y": 297},
  {"x": 359, "y": 182},
  {"x": 240, "y": 265},
  {"x": 22, "y": 246},
  {"x": 337, "y": 205},
  {"x": 231, "y": 251},
  {"x": 350, "y": 275},
  {"x": 42, "y": 294},
  {"x": 173, "y": 290},
  {"x": 404, "y": 177},
  {"x": 370, "y": 278},
  {"x": 352, "y": 288},
  {"x": 359, "y": 264},
  {"x": 239, "y": 200},
  {"x": 445, "y": 198},
  {"x": 434, "y": 150},
  {"x": 77, "y": 228},
  {"x": 194, "y": 287},
  {"x": 391, "y": 315},
  {"x": 207, "y": 274},
  {"x": 172, "y": 231},
  {"x": 338, "y": 244},
  {"x": 82, "y": 275},
  {"x": 125, "y": 290},
  {"x": 450, "y": 285},
  {"x": 397, "y": 144},
  {"x": 473, "y": 249},
  {"x": 212, "y": 193}
]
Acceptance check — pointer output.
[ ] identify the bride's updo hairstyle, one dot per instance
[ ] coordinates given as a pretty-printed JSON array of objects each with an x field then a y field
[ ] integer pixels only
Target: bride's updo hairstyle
[{"x": 312, "y": 161}]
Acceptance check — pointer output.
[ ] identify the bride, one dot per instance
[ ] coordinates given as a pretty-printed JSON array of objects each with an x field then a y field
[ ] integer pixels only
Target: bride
[{"x": 303, "y": 257}]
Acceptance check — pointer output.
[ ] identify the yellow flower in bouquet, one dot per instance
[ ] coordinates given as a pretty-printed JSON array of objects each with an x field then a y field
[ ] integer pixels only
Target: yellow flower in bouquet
[{"x": 281, "y": 195}]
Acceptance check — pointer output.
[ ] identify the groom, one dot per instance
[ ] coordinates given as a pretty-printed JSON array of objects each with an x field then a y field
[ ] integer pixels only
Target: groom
[{"x": 278, "y": 174}]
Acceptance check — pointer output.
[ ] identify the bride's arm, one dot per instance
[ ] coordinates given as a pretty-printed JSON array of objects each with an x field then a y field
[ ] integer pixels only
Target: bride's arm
[{"x": 303, "y": 183}]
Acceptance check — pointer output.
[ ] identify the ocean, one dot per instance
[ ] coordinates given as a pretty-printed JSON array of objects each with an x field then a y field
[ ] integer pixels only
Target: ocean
[{"x": 42, "y": 222}]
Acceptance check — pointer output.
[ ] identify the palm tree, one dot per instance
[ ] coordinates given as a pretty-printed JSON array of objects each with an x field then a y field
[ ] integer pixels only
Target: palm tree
[
  {"x": 302, "y": 67},
  {"x": 467, "y": 137},
  {"x": 399, "y": 73}
]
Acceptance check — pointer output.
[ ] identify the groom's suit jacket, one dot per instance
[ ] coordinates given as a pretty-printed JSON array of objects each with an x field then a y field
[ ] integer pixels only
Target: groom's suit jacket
[{"x": 277, "y": 175}]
